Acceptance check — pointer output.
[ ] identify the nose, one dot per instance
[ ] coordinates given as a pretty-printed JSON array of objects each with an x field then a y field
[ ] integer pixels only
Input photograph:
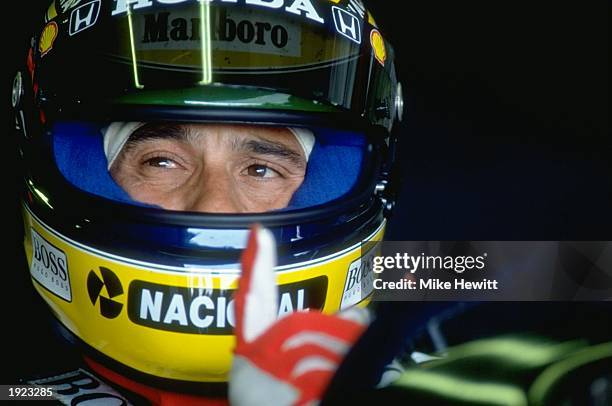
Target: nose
[{"x": 214, "y": 192}]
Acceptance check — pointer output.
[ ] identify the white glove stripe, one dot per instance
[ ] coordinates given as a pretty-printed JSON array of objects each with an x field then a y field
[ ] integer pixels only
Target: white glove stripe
[
  {"x": 326, "y": 341},
  {"x": 261, "y": 300}
]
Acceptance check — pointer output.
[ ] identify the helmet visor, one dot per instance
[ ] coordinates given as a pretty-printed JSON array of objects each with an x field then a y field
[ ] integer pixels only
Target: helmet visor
[{"x": 328, "y": 55}]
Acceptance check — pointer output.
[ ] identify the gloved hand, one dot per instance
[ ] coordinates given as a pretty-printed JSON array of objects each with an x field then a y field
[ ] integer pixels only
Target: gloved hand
[{"x": 288, "y": 361}]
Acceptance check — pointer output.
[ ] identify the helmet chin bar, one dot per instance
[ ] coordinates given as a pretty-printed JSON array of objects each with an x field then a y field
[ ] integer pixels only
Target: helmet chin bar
[{"x": 162, "y": 304}]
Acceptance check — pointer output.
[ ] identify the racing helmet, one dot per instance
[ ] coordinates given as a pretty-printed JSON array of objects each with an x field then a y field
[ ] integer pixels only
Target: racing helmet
[{"x": 146, "y": 290}]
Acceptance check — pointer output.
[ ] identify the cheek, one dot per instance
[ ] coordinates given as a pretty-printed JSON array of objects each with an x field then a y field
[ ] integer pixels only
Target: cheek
[
  {"x": 123, "y": 178},
  {"x": 145, "y": 191},
  {"x": 142, "y": 193},
  {"x": 266, "y": 196}
]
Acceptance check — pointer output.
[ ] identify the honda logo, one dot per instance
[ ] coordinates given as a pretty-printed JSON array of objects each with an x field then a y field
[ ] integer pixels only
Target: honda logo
[
  {"x": 84, "y": 17},
  {"x": 347, "y": 24}
]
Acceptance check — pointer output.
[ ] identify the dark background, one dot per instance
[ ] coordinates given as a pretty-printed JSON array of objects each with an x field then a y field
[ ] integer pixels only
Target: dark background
[
  {"x": 506, "y": 132},
  {"x": 505, "y": 138}
]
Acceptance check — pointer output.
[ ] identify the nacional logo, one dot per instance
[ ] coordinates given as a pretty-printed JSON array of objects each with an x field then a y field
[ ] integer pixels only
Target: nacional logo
[
  {"x": 109, "y": 307},
  {"x": 203, "y": 311}
]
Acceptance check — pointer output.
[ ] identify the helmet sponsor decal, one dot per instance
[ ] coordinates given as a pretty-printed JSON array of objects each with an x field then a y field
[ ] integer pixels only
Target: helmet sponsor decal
[
  {"x": 359, "y": 279},
  {"x": 179, "y": 306},
  {"x": 65, "y": 5},
  {"x": 245, "y": 41},
  {"x": 236, "y": 31},
  {"x": 371, "y": 20},
  {"x": 47, "y": 38},
  {"x": 378, "y": 47},
  {"x": 109, "y": 307},
  {"x": 49, "y": 267},
  {"x": 84, "y": 17},
  {"x": 80, "y": 387},
  {"x": 347, "y": 24},
  {"x": 357, "y": 7},
  {"x": 51, "y": 12},
  {"x": 302, "y": 8},
  {"x": 207, "y": 311}
]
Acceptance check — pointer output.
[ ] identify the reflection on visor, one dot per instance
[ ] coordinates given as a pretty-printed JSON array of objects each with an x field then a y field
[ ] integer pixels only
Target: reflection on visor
[
  {"x": 303, "y": 56},
  {"x": 204, "y": 43},
  {"x": 209, "y": 168},
  {"x": 238, "y": 38}
]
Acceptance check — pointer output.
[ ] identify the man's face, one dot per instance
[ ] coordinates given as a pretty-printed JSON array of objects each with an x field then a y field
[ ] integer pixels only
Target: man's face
[{"x": 211, "y": 168}]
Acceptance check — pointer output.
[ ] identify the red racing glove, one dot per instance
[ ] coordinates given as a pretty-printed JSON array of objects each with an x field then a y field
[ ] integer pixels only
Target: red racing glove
[{"x": 289, "y": 361}]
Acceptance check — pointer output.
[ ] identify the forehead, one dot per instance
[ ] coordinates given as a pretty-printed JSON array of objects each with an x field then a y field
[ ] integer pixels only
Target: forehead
[
  {"x": 197, "y": 131},
  {"x": 272, "y": 141},
  {"x": 211, "y": 133},
  {"x": 240, "y": 130}
]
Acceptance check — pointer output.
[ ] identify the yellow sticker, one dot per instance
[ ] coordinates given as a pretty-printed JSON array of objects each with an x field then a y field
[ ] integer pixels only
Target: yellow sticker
[
  {"x": 51, "y": 12},
  {"x": 378, "y": 46},
  {"x": 47, "y": 38},
  {"x": 175, "y": 323},
  {"x": 371, "y": 20}
]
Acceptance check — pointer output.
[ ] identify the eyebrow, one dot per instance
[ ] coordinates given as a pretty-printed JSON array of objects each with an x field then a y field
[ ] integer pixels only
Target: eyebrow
[
  {"x": 271, "y": 148},
  {"x": 157, "y": 131},
  {"x": 153, "y": 131}
]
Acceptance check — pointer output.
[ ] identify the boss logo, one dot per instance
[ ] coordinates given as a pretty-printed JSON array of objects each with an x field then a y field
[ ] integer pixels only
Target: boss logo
[
  {"x": 198, "y": 311},
  {"x": 359, "y": 280},
  {"x": 50, "y": 267}
]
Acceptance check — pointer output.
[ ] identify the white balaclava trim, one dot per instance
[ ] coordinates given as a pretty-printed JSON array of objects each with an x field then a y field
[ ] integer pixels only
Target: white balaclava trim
[
  {"x": 117, "y": 134},
  {"x": 115, "y": 137}
]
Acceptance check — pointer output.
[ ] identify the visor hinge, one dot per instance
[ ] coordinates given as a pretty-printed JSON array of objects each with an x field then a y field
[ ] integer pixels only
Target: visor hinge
[
  {"x": 387, "y": 204},
  {"x": 379, "y": 190},
  {"x": 381, "y": 186}
]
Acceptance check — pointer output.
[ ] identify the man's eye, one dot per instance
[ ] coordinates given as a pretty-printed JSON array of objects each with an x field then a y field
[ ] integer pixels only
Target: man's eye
[
  {"x": 262, "y": 171},
  {"x": 161, "y": 162}
]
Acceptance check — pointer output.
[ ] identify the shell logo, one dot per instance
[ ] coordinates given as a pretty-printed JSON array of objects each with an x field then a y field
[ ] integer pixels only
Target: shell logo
[
  {"x": 378, "y": 46},
  {"x": 47, "y": 38}
]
